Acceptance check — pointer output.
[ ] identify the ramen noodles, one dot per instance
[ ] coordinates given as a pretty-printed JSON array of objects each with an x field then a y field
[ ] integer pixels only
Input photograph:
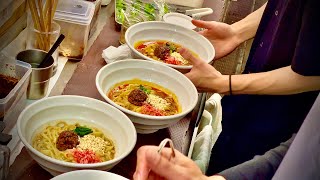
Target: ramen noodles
[
  {"x": 145, "y": 98},
  {"x": 164, "y": 51},
  {"x": 74, "y": 143}
]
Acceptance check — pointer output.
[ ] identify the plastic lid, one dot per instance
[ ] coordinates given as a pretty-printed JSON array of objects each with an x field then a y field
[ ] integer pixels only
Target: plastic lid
[
  {"x": 179, "y": 19},
  {"x": 75, "y": 11}
]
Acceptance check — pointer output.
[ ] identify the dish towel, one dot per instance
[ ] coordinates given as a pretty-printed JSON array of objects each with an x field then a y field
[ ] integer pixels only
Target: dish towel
[
  {"x": 210, "y": 128},
  {"x": 112, "y": 54}
]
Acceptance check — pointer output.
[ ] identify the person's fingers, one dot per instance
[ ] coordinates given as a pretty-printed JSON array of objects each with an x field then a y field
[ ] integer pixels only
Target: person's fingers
[
  {"x": 202, "y": 24},
  {"x": 185, "y": 53},
  {"x": 142, "y": 167},
  {"x": 204, "y": 33},
  {"x": 162, "y": 166}
]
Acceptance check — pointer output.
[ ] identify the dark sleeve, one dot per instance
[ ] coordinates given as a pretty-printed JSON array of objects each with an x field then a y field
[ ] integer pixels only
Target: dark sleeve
[
  {"x": 302, "y": 161},
  {"x": 306, "y": 60},
  {"x": 260, "y": 166}
]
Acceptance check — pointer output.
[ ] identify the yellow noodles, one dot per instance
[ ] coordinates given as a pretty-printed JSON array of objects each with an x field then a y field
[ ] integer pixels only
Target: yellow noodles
[
  {"x": 161, "y": 101},
  {"x": 45, "y": 142}
]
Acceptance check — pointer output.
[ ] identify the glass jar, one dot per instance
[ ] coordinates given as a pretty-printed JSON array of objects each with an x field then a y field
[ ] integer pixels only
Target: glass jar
[{"x": 44, "y": 40}]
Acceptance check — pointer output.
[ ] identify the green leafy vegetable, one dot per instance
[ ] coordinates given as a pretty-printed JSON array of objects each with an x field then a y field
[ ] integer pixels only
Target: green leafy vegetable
[
  {"x": 142, "y": 88},
  {"x": 120, "y": 7},
  {"x": 149, "y": 9},
  {"x": 140, "y": 9},
  {"x": 81, "y": 131},
  {"x": 172, "y": 47},
  {"x": 166, "y": 8}
]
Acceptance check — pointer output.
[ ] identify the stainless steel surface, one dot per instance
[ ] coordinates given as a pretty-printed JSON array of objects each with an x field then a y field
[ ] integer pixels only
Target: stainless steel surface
[{"x": 39, "y": 80}]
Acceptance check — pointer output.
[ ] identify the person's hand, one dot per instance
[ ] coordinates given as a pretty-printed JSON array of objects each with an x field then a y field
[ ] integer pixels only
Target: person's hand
[
  {"x": 203, "y": 75},
  {"x": 152, "y": 165},
  {"x": 221, "y": 35}
]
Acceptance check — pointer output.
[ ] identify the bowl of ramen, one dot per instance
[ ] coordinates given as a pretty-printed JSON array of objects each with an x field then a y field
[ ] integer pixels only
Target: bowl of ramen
[
  {"x": 152, "y": 95},
  {"x": 67, "y": 133},
  {"x": 89, "y": 174},
  {"x": 161, "y": 41}
]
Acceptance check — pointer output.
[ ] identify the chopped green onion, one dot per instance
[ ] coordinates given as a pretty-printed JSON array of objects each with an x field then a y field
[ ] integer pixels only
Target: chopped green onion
[{"x": 142, "y": 88}]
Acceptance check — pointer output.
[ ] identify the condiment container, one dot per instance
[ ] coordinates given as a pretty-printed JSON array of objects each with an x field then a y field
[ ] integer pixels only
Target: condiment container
[
  {"x": 18, "y": 93},
  {"x": 74, "y": 18}
]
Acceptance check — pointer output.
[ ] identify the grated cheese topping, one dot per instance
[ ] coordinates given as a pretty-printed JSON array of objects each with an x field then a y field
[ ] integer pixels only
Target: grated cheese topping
[
  {"x": 157, "y": 102},
  {"x": 91, "y": 142},
  {"x": 178, "y": 57}
]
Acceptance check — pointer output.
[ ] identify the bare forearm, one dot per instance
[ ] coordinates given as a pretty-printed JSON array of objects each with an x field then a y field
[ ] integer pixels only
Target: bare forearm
[
  {"x": 247, "y": 27},
  {"x": 277, "y": 82}
]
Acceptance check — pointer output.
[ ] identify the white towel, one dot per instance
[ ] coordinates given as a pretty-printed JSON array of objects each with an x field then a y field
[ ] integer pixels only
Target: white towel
[
  {"x": 112, "y": 54},
  {"x": 210, "y": 128},
  {"x": 213, "y": 106}
]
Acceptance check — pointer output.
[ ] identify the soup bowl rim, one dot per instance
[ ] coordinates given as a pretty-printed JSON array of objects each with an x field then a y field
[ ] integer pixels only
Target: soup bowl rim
[{"x": 111, "y": 162}]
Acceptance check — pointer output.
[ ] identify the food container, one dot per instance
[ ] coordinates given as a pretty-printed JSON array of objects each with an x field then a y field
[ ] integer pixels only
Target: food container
[
  {"x": 94, "y": 22},
  {"x": 74, "y": 18},
  {"x": 188, "y": 3},
  {"x": 149, "y": 10},
  {"x": 18, "y": 93}
]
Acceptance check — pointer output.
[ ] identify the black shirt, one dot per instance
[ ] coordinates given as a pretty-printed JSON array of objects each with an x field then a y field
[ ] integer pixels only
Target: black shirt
[{"x": 288, "y": 34}]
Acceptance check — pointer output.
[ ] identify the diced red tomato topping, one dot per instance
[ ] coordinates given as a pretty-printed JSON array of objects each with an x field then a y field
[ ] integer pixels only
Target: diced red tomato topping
[
  {"x": 141, "y": 46},
  {"x": 150, "y": 110},
  {"x": 85, "y": 157},
  {"x": 172, "y": 60}
]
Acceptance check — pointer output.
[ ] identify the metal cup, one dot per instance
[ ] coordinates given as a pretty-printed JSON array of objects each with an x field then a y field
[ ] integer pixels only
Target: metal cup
[{"x": 39, "y": 79}]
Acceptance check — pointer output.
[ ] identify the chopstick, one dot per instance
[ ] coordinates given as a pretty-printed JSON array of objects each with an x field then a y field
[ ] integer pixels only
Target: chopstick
[
  {"x": 202, "y": 103},
  {"x": 201, "y": 108}
]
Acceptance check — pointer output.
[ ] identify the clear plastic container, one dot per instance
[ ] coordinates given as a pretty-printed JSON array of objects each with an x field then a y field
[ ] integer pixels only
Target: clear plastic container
[
  {"x": 74, "y": 18},
  {"x": 188, "y": 3},
  {"x": 8, "y": 104},
  {"x": 94, "y": 22}
]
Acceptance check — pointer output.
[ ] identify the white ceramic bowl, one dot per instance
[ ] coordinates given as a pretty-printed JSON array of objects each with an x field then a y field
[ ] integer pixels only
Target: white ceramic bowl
[
  {"x": 88, "y": 175},
  {"x": 188, "y": 38},
  {"x": 154, "y": 72},
  {"x": 73, "y": 109},
  {"x": 179, "y": 19}
]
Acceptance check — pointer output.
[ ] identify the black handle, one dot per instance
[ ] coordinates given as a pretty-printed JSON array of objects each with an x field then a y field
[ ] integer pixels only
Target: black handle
[
  {"x": 203, "y": 97},
  {"x": 51, "y": 51}
]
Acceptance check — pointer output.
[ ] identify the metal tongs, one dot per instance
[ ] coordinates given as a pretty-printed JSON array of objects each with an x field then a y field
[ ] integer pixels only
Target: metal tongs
[
  {"x": 163, "y": 144},
  {"x": 196, "y": 13}
]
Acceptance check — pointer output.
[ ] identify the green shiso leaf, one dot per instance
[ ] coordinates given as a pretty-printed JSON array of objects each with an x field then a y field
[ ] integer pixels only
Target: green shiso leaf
[{"x": 82, "y": 131}]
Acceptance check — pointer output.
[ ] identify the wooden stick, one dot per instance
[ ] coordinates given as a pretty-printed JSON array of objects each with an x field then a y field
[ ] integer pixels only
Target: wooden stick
[
  {"x": 45, "y": 9},
  {"x": 49, "y": 23},
  {"x": 55, "y": 4},
  {"x": 41, "y": 15},
  {"x": 42, "y": 23},
  {"x": 35, "y": 21}
]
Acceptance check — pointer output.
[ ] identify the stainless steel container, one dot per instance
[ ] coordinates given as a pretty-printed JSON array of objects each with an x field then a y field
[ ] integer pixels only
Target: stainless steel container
[{"x": 40, "y": 77}]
